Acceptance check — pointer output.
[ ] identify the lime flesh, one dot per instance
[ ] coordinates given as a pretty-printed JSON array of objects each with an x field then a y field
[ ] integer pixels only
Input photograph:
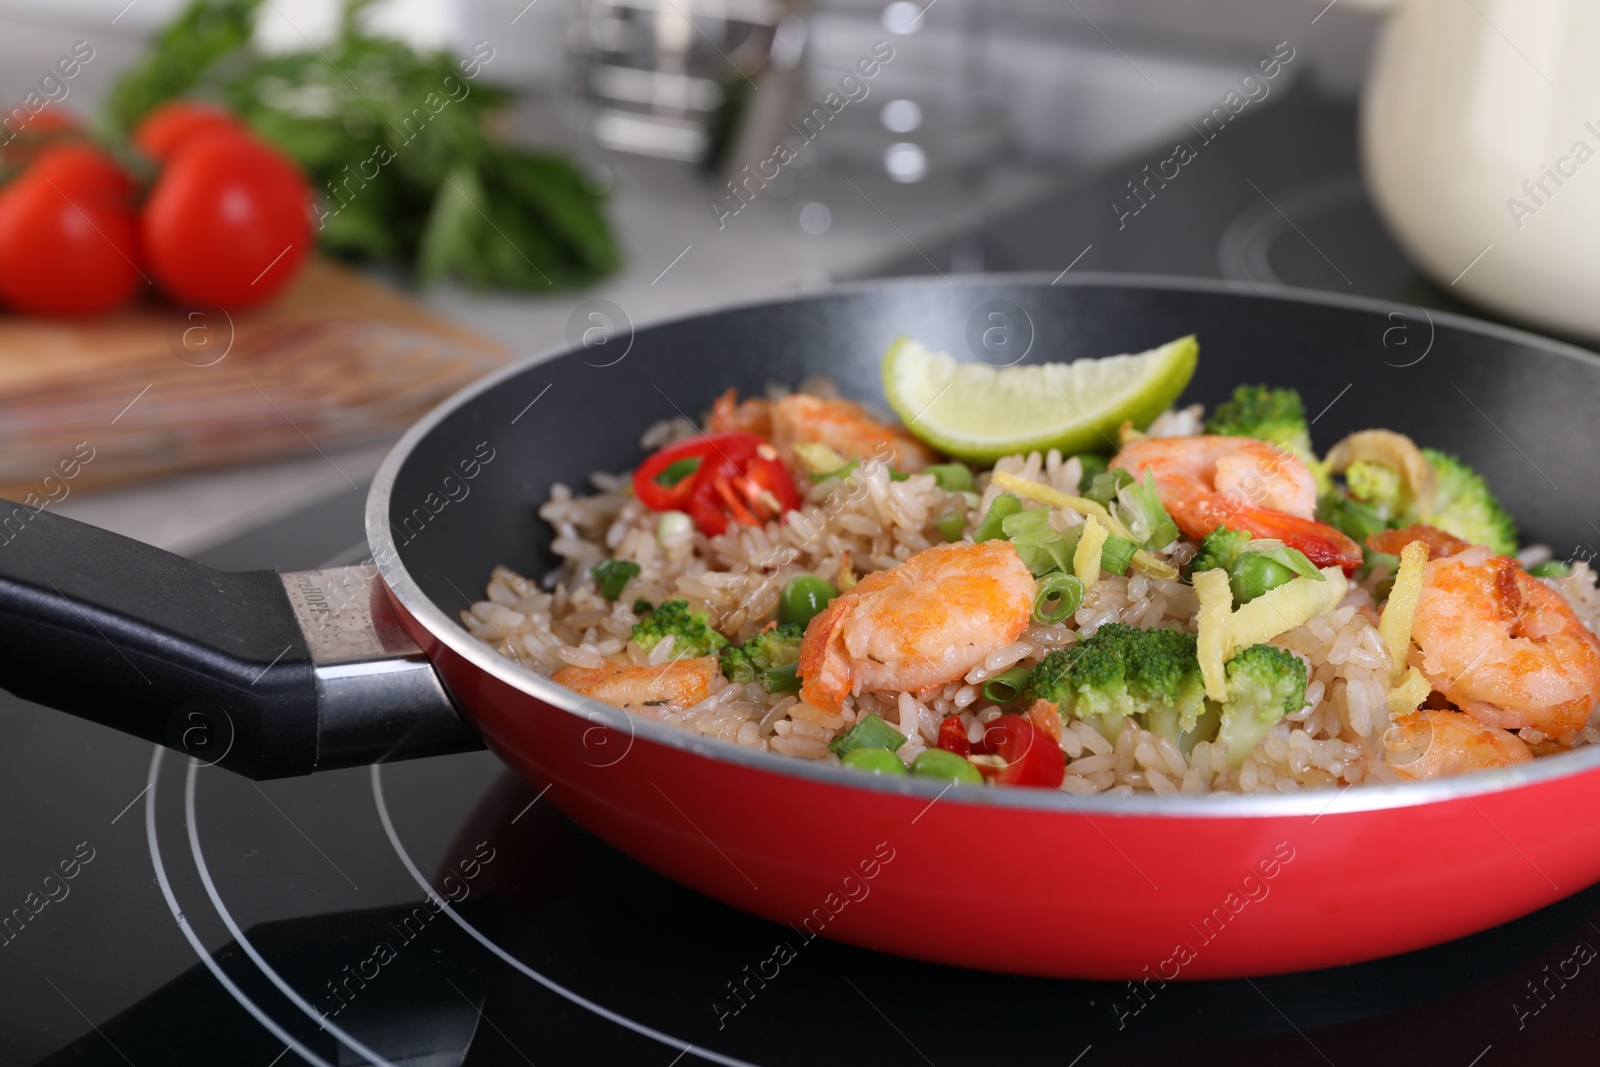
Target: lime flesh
[{"x": 977, "y": 412}]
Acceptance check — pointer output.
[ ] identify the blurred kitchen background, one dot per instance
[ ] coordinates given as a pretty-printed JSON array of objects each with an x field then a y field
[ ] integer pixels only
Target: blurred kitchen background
[{"x": 1001, "y": 135}]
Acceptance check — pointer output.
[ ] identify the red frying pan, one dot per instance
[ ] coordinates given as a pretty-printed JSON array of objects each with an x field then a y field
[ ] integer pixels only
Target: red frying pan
[{"x": 274, "y": 675}]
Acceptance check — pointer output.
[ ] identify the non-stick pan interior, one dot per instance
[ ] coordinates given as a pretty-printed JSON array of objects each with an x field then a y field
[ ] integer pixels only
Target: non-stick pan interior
[{"x": 1517, "y": 408}]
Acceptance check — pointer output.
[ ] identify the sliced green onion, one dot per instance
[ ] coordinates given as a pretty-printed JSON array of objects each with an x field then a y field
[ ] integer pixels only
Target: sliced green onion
[
  {"x": 1005, "y": 504},
  {"x": 1038, "y": 543},
  {"x": 1029, "y": 527},
  {"x": 1254, "y": 573},
  {"x": 1104, "y": 487},
  {"x": 677, "y": 472},
  {"x": 1116, "y": 554},
  {"x": 937, "y": 763},
  {"x": 870, "y": 731},
  {"x": 1007, "y": 685},
  {"x": 873, "y": 761},
  {"x": 1093, "y": 463},
  {"x": 785, "y": 679},
  {"x": 951, "y": 525},
  {"x": 951, "y": 477},
  {"x": 1065, "y": 589},
  {"x": 1140, "y": 509},
  {"x": 841, "y": 472},
  {"x": 1550, "y": 568},
  {"x": 898, "y": 476},
  {"x": 672, "y": 524},
  {"x": 612, "y": 574}
]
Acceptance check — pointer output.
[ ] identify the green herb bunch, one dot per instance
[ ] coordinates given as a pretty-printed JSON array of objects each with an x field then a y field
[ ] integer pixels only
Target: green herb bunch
[{"x": 397, "y": 145}]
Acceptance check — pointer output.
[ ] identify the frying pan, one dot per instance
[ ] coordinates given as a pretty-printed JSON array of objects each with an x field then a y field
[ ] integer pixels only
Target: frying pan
[{"x": 275, "y": 675}]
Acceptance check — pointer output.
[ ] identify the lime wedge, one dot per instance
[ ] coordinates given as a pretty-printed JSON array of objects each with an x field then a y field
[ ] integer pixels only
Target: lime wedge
[{"x": 977, "y": 412}]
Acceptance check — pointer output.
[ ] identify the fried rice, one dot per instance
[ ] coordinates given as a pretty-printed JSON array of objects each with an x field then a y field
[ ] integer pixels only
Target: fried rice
[{"x": 869, "y": 521}]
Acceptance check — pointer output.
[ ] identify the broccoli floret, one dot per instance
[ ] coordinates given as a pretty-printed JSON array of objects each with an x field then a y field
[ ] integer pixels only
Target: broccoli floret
[
  {"x": 692, "y": 634},
  {"x": 1354, "y": 519},
  {"x": 1121, "y": 671},
  {"x": 777, "y": 647},
  {"x": 1376, "y": 486},
  {"x": 1275, "y": 415},
  {"x": 1464, "y": 506},
  {"x": 1265, "y": 683},
  {"x": 1219, "y": 549}
]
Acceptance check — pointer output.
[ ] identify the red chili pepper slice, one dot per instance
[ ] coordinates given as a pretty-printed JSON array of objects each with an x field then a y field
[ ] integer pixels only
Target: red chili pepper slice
[
  {"x": 1030, "y": 756},
  {"x": 660, "y": 497},
  {"x": 739, "y": 479},
  {"x": 953, "y": 737}
]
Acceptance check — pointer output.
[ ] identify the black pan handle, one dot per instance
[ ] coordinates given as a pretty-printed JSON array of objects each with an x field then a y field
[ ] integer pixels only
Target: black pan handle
[{"x": 268, "y": 675}]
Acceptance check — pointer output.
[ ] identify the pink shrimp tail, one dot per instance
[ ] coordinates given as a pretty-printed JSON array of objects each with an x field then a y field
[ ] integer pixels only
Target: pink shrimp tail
[{"x": 1322, "y": 544}]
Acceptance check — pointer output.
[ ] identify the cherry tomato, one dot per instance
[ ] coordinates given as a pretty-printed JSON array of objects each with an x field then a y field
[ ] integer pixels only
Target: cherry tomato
[
  {"x": 737, "y": 477},
  {"x": 62, "y": 255},
  {"x": 226, "y": 223},
  {"x": 1029, "y": 755},
  {"x": 27, "y": 133},
  {"x": 161, "y": 132},
  {"x": 953, "y": 737},
  {"x": 80, "y": 170}
]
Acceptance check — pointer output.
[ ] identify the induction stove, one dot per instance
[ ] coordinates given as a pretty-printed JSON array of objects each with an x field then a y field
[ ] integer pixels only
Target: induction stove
[{"x": 155, "y": 910}]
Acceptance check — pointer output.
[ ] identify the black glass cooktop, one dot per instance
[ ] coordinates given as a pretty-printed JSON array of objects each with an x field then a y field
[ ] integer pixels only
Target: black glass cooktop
[{"x": 154, "y": 911}]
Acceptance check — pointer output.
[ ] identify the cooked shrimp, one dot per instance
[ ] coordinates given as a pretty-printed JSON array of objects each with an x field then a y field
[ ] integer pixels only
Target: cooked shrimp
[
  {"x": 1504, "y": 647},
  {"x": 1439, "y": 543},
  {"x": 924, "y": 623},
  {"x": 845, "y": 427},
  {"x": 1433, "y": 743},
  {"x": 1244, "y": 484},
  {"x": 682, "y": 682},
  {"x": 729, "y": 414}
]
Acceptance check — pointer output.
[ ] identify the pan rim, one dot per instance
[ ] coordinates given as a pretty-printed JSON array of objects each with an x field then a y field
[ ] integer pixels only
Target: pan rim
[{"x": 1305, "y": 802}]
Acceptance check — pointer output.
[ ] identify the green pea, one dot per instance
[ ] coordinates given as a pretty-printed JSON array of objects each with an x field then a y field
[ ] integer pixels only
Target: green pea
[
  {"x": 951, "y": 477},
  {"x": 1253, "y": 574},
  {"x": 951, "y": 525},
  {"x": 803, "y": 598},
  {"x": 875, "y": 760},
  {"x": 937, "y": 763}
]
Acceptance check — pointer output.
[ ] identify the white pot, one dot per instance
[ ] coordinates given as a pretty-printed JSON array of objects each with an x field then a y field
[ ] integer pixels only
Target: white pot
[{"x": 1480, "y": 139}]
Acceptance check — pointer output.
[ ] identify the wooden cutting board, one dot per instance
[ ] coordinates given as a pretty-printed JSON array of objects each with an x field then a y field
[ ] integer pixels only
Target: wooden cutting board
[{"x": 337, "y": 359}]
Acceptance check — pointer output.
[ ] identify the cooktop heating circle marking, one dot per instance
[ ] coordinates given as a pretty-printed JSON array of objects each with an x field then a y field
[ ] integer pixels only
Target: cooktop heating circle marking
[
  {"x": 194, "y": 941},
  {"x": 549, "y": 983},
  {"x": 344, "y": 1037}
]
